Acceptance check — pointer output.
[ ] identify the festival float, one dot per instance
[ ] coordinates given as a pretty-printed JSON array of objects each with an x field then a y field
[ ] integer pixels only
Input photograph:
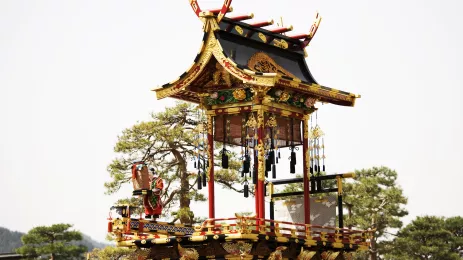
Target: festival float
[{"x": 257, "y": 95}]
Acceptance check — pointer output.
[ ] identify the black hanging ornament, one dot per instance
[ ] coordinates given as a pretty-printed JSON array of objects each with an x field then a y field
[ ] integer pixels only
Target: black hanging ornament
[
  {"x": 195, "y": 164},
  {"x": 292, "y": 163},
  {"x": 293, "y": 155},
  {"x": 323, "y": 154},
  {"x": 224, "y": 150},
  {"x": 204, "y": 179},
  {"x": 292, "y": 168},
  {"x": 199, "y": 181},
  {"x": 268, "y": 166},
  {"x": 246, "y": 163},
  {"x": 274, "y": 171},
  {"x": 246, "y": 188}
]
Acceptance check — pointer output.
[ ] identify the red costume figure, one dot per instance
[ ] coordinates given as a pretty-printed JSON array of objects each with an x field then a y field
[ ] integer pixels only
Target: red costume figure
[{"x": 152, "y": 202}]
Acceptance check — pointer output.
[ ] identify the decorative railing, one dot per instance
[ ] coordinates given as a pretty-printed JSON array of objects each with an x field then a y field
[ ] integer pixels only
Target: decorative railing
[{"x": 252, "y": 225}]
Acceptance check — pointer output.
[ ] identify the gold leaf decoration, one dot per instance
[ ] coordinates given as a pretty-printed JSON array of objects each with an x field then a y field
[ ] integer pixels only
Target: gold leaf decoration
[
  {"x": 261, "y": 62},
  {"x": 284, "y": 97},
  {"x": 239, "y": 94}
]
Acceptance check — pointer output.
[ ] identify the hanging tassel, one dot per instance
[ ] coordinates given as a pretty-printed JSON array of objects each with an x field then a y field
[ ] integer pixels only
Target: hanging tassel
[
  {"x": 204, "y": 179},
  {"x": 293, "y": 156},
  {"x": 268, "y": 165},
  {"x": 279, "y": 154},
  {"x": 274, "y": 171},
  {"x": 272, "y": 156},
  {"x": 246, "y": 188},
  {"x": 276, "y": 159},
  {"x": 199, "y": 181},
  {"x": 292, "y": 168},
  {"x": 195, "y": 164},
  {"x": 246, "y": 164},
  {"x": 224, "y": 159},
  {"x": 323, "y": 153}
]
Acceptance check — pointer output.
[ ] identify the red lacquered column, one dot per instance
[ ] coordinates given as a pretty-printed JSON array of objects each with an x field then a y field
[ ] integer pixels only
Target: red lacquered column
[{"x": 210, "y": 170}]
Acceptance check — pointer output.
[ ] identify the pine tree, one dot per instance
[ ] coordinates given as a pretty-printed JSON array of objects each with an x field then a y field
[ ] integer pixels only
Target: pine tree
[
  {"x": 168, "y": 143},
  {"x": 54, "y": 241},
  {"x": 428, "y": 237},
  {"x": 374, "y": 201}
]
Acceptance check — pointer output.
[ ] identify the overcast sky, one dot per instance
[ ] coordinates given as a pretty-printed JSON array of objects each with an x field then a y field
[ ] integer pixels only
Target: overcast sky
[{"x": 74, "y": 74}]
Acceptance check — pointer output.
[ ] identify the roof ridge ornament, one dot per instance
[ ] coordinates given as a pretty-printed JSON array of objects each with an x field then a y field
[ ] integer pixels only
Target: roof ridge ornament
[{"x": 225, "y": 7}]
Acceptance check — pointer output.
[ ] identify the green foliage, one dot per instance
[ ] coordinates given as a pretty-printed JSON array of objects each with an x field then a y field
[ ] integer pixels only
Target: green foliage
[
  {"x": 55, "y": 241},
  {"x": 374, "y": 201},
  {"x": 428, "y": 237},
  {"x": 113, "y": 253},
  {"x": 167, "y": 143}
]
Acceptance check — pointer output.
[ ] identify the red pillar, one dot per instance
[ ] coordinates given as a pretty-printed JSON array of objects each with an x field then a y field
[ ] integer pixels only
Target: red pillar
[
  {"x": 306, "y": 166},
  {"x": 261, "y": 167},
  {"x": 210, "y": 154}
]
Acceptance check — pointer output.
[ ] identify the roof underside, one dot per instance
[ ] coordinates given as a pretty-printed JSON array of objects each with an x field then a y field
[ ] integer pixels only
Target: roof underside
[{"x": 241, "y": 50}]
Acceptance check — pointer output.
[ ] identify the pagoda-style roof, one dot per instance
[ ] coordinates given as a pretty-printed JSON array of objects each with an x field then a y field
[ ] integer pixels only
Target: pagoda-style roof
[{"x": 239, "y": 55}]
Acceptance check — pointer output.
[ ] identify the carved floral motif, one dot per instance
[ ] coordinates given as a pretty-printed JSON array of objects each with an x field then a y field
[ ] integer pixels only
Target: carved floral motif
[{"x": 239, "y": 94}]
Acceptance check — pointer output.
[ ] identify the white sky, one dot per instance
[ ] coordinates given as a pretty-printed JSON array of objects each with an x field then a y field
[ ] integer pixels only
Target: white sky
[{"x": 74, "y": 74}]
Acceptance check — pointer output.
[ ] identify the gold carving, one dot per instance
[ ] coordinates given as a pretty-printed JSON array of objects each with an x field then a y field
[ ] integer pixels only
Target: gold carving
[
  {"x": 277, "y": 255},
  {"x": 261, "y": 62},
  {"x": 282, "y": 43},
  {"x": 188, "y": 253},
  {"x": 262, "y": 37},
  {"x": 306, "y": 255},
  {"x": 221, "y": 75},
  {"x": 284, "y": 97},
  {"x": 232, "y": 110},
  {"x": 267, "y": 99},
  {"x": 329, "y": 255},
  {"x": 239, "y": 94},
  {"x": 305, "y": 119},
  {"x": 260, "y": 118},
  {"x": 271, "y": 122},
  {"x": 251, "y": 121},
  {"x": 260, "y": 155},
  {"x": 239, "y": 248},
  {"x": 310, "y": 101},
  {"x": 209, "y": 124},
  {"x": 348, "y": 256},
  {"x": 239, "y": 29}
]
